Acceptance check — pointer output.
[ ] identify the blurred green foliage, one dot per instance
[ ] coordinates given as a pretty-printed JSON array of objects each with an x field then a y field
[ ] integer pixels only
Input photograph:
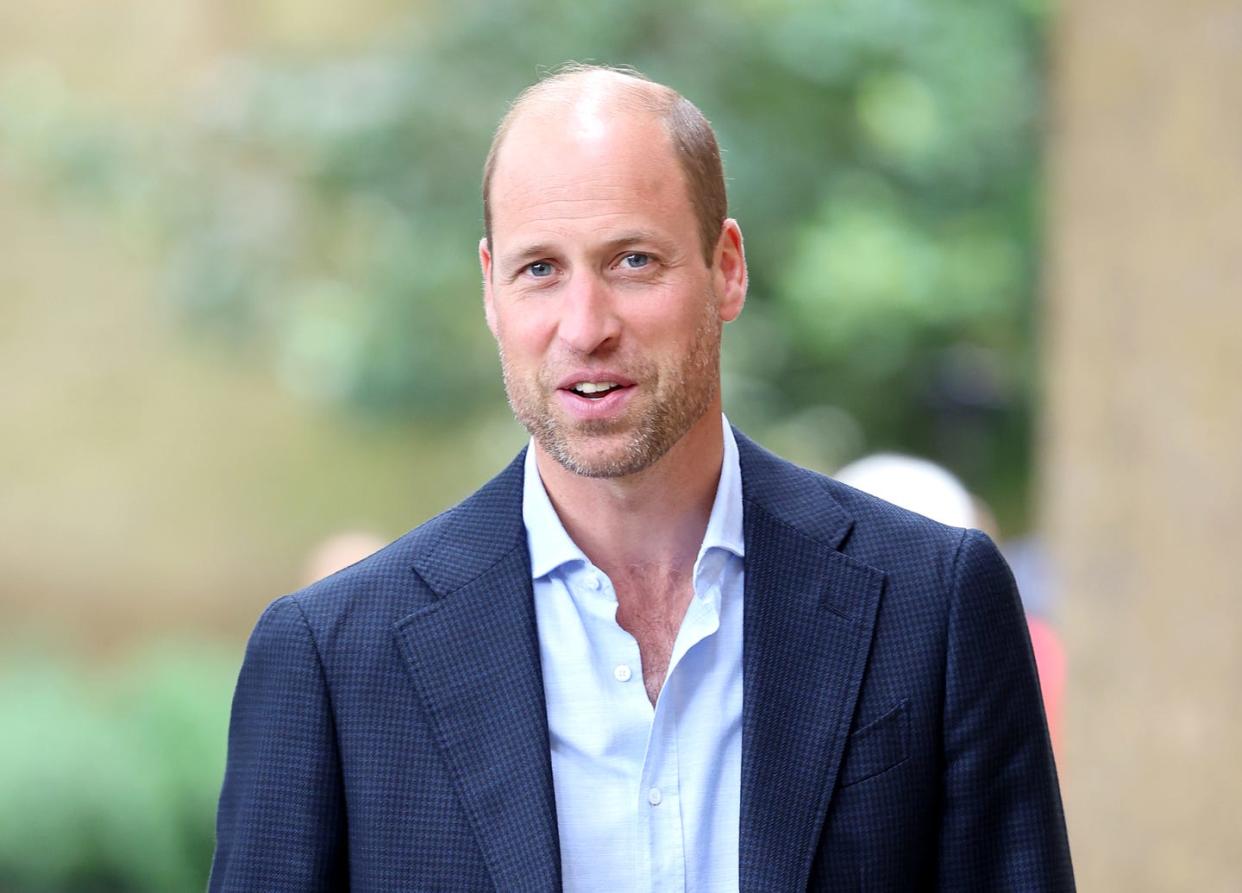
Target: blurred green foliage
[
  {"x": 109, "y": 778},
  {"x": 882, "y": 158}
]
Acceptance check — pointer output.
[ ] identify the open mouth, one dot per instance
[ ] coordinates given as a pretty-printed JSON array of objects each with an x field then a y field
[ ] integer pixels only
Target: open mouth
[
  {"x": 595, "y": 390},
  {"x": 596, "y": 396}
]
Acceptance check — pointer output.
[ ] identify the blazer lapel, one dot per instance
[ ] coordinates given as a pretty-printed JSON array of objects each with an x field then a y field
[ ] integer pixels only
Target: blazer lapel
[
  {"x": 473, "y": 654},
  {"x": 809, "y": 612}
]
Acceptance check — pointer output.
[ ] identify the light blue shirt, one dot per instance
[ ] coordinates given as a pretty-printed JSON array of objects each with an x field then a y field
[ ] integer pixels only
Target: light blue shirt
[{"x": 646, "y": 799}]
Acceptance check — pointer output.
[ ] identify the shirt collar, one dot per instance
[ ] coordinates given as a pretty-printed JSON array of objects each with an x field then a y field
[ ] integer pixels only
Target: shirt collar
[{"x": 550, "y": 546}]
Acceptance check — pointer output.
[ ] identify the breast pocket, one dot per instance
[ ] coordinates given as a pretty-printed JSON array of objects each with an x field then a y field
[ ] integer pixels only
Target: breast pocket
[{"x": 877, "y": 747}]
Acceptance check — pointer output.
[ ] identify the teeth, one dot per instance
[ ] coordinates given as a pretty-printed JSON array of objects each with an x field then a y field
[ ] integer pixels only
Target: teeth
[{"x": 594, "y": 387}]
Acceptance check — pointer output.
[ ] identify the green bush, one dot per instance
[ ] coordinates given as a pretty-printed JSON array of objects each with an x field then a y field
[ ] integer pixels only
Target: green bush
[{"x": 109, "y": 777}]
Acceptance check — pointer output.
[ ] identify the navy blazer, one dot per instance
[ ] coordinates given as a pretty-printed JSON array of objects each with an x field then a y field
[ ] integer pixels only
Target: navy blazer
[{"x": 389, "y": 729}]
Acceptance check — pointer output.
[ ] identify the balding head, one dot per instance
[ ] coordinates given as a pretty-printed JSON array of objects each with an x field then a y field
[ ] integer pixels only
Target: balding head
[{"x": 587, "y": 95}]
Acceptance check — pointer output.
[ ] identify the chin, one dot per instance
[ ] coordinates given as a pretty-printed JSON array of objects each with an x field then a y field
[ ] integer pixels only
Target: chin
[{"x": 599, "y": 456}]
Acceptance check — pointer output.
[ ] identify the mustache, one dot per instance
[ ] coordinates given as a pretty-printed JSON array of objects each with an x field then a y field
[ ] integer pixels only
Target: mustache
[{"x": 552, "y": 373}]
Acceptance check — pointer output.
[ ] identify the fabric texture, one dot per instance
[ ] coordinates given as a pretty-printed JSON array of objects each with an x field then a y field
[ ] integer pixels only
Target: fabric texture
[{"x": 389, "y": 728}]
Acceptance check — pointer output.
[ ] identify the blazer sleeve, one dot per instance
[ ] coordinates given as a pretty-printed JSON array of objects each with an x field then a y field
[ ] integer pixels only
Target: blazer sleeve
[
  {"x": 280, "y": 824},
  {"x": 1002, "y": 826}
]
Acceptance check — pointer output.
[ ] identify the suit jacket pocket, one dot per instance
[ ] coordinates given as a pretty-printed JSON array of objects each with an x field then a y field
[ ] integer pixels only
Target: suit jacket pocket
[{"x": 876, "y": 747}]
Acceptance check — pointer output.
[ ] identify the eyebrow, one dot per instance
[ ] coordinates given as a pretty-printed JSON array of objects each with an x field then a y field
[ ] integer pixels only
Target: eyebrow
[
  {"x": 629, "y": 237},
  {"x": 522, "y": 256}
]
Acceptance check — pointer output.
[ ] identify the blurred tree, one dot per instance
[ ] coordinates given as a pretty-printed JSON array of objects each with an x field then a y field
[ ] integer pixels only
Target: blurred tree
[{"x": 881, "y": 155}]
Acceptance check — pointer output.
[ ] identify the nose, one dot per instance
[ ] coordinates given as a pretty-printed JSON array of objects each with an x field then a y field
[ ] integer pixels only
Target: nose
[{"x": 589, "y": 322}]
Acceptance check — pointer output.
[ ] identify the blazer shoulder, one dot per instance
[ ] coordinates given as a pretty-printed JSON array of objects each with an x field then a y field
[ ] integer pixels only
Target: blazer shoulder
[
  {"x": 909, "y": 548},
  {"x": 864, "y": 526},
  {"x": 907, "y": 545},
  {"x": 878, "y": 520}
]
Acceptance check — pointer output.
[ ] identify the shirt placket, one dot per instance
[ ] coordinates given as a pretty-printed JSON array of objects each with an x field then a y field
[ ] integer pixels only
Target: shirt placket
[
  {"x": 660, "y": 806},
  {"x": 660, "y": 793},
  {"x": 655, "y": 870}
]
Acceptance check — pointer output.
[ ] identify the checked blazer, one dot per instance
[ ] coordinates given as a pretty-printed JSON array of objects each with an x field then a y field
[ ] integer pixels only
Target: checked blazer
[{"x": 389, "y": 732}]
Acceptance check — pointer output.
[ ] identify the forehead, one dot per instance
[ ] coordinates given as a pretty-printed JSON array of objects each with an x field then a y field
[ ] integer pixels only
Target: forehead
[{"x": 592, "y": 166}]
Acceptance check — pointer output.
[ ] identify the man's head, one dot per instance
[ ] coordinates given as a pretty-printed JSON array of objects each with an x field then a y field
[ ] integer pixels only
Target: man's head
[
  {"x": 605, "y": 282},
  {"x": 693, "y": 139}
]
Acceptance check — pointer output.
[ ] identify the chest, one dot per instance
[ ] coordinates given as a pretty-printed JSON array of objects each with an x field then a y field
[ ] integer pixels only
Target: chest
[{"x": 653, "y": 615}]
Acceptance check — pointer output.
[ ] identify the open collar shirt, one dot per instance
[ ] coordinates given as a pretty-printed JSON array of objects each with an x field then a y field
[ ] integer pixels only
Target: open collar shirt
[{"x": 646, "y": 798}]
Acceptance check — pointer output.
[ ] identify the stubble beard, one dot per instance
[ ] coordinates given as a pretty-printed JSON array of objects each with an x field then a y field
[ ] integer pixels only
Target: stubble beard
[{"x": 683, "y": 394}]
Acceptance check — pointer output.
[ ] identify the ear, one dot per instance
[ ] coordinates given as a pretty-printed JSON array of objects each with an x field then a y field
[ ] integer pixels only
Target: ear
[
  {"x": 485, "y": 263},
  {"x": 729, "y": 270}
]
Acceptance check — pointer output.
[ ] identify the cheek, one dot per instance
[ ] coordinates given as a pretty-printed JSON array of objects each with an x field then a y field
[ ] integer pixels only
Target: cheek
[
  {"x": 522, "y": 334},
  {"x": 677, "y": 331}
]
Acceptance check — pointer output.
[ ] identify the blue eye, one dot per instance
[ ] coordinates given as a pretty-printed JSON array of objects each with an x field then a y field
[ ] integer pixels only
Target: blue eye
[
  {"x": 636, "y": 260},
  {"x": 540, "y": 269}
]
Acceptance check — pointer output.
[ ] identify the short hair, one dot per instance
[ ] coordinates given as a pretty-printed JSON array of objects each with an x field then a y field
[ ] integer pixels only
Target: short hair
[{"x": 693, "y": 139}]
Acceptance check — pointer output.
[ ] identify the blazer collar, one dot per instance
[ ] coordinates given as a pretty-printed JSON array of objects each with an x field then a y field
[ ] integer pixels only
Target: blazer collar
[
  {"x": 791, "y": 495},
  {"x": 468, "y": 538},
  {"x": 455, "y": 547}
]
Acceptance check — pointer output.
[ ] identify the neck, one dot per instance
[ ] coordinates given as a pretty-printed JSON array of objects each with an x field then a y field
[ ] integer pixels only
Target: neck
[{"x": 654, "y": 519}]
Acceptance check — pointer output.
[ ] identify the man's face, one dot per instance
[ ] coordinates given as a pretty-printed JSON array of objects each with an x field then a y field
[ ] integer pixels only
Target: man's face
[{"x": 607, "y": 317}]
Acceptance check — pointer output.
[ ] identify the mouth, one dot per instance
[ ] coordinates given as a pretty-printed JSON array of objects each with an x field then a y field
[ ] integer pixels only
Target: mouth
[
  {"x": 594, "y": 390},
  {"x": 595, "y": 399},
  {"x": 594, "y": 384}
]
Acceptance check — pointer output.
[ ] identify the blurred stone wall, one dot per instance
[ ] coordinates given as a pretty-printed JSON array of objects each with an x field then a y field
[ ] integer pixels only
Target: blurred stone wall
[{"x": 1142, "y": 451}]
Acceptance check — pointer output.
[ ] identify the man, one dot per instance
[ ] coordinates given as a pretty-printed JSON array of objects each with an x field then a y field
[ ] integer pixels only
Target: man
[{"x": 648, "y": 655}]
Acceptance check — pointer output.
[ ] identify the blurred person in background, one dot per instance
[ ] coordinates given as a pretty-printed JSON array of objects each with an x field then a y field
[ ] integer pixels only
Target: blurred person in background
[
  {"x": 546, "y": 686},
  {"x": 338, "y": 552},
  {"x": 924, "y": 487}
]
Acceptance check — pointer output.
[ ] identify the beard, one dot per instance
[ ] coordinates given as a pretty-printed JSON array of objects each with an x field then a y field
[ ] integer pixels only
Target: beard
[{"x": 684, "y": 389}]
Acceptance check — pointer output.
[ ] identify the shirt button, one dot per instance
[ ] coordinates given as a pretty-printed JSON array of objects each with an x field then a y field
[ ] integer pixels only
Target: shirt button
[
  {"x": 622, "y": 673},
  {"x": 593, "y": 581},
  {"x": 654, "y": 796}
]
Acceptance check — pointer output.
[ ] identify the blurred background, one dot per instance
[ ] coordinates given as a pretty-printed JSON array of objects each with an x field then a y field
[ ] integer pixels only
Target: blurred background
[{"x": 241, "y": 343}]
